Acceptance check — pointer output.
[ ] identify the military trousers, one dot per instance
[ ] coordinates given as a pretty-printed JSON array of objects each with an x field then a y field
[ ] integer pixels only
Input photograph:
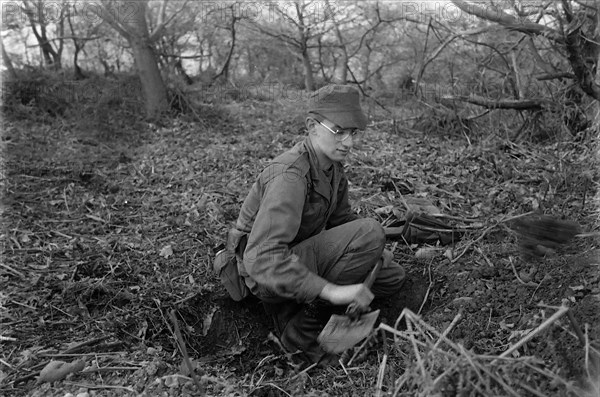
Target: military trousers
[{"x": 342, "y": 255}]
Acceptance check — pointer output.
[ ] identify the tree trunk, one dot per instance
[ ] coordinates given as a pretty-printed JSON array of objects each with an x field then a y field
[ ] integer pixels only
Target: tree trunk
[
  {"x": 303, "y": 34},
  {"x": 12, "y": 74},
  {"x": 135, "y": 31},
  {"x": 225, "y": 70},
  {"x": 340, "y": 75},
  {"x": 153, "y": 86},
  {"x": 78, "y": 72},
  {"x": 309, "y": 80},
  {"x": 51, "y": 57}
]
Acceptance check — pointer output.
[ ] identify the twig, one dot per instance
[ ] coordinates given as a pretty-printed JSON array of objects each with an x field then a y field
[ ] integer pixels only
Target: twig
[
  {"x": 362, "y": 346},
  {"x": 90, "y": 386},
  {"x": 529, "y": 283},
  {"x": 576, "y": 328},
  {"x": 538, "y": 287},
  {"x": 399, "y": 383},
  {"x": 497, "y": 379},
  {"x": 345, "y": 371},
  {"x": 305, "y": 370},
  {"x": 66, "y": 202},
  {"x": 106, "y": 369},
  {"x": 278, "y": 388},
  {"x": 396, "y": 324},
  {"x": 10, "y": 269},
  {"x": 182, "y": 347},
  {"x": 68, "y": 351},
  {"x": 416, "y": 349},
  {"x": 457, "y": 318},
  {"x": 382, "y": 366},
  {"x": 455, "y": 218},
  {"x": 531, "y": 390},
  {"x": 428, "y": 288},
  {"x": 78, "y": 346},
  {"x": 380, "y": 375},
  {"x": 54, "y": 355},
  {"x": 487, "y": 260},
  {"x": 563, "y": 310},
  {"x": 594, "y": 368}
]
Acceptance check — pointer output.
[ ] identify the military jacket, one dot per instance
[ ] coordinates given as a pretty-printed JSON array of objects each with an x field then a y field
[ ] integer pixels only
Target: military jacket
[{"x": 290, "y": 201}]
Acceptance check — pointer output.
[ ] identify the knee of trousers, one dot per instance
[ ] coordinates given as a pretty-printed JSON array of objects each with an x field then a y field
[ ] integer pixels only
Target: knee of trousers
[
  {"x": 390, "y": 281},
  {"x": 370, "y": 234}
]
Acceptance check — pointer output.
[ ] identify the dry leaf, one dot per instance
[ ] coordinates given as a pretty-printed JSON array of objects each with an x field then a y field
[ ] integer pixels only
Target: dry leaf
[
  {"x": 183, "y": 368},
  {"x": 171, "y": 381},
  {"x": 208, "y": 321},
  {"x": 426, "y": 252},
  {"x": 57, "y": 370},
  {"x": 166, "y": 251}
]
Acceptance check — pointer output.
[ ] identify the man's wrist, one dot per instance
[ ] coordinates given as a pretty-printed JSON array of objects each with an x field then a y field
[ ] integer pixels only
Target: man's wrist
[{"x": 324, "y": 294}]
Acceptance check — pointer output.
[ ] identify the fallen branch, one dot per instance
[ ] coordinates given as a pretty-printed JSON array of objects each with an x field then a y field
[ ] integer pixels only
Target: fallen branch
[
  {"x": 91, "y": 386},
  {"x": 184, "y": 353},
  {"x": 562, "y": 311},
  {"x": 516, "y": 104}
]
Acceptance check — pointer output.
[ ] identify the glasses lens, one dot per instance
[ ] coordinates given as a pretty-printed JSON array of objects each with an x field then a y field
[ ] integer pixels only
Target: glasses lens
[{"x": 345, "y": 134}]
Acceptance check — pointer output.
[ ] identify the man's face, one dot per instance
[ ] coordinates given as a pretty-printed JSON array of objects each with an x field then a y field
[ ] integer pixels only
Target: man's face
[{"x": 327, "y": 145}]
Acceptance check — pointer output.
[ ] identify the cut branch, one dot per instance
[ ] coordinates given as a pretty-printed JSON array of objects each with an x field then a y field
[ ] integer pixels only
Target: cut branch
[
  {"x": 553, "y": 76},
  {"x": 527, "y": 104}
]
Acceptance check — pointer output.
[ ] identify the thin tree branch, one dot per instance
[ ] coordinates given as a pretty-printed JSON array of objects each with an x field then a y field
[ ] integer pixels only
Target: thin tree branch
[
  {"x": 509, "y": 21},
  {"x": 162, "y": 23}
]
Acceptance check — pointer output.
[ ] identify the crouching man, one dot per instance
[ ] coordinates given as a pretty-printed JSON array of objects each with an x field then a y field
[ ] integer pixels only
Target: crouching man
[{"x": 304, "y": 253}]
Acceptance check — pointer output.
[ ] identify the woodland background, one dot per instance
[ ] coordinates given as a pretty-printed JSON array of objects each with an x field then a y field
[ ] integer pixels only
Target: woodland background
[{"x": 133, "y": 129}]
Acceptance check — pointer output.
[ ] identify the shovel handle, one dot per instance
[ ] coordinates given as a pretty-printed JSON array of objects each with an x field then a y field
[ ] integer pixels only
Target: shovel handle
[
  {"x": 353, "y": 311},
  {"x": 373, "y": 275}
]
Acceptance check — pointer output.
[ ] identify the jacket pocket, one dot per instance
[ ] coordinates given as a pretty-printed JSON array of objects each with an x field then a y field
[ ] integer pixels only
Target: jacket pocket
[{"x": 313, "y": 215}]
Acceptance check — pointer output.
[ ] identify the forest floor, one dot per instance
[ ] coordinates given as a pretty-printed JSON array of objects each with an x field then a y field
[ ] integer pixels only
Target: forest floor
[{"x": 109, "y": 232}]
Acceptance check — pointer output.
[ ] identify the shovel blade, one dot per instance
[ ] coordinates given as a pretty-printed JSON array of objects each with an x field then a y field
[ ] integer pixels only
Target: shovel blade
[{"x": 341, "y": 333}]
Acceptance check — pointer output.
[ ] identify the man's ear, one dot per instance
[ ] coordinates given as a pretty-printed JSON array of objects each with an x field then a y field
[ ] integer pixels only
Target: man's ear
[{"x": 310, "y": 125}]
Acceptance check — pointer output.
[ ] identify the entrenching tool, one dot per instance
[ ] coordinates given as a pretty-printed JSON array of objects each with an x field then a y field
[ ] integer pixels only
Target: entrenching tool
[{"x": 344, "y": 331}]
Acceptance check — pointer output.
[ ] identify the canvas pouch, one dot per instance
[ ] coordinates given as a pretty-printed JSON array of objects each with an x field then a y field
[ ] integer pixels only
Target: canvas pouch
[{"x": 225, "y": 265}]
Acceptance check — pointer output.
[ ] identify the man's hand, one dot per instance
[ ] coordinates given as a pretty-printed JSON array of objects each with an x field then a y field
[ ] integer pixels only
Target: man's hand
[{"x": 346, "y": 294}]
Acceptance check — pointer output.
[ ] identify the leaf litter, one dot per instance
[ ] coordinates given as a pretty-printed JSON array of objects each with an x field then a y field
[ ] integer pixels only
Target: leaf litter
[{"x": 89, "y": 257}]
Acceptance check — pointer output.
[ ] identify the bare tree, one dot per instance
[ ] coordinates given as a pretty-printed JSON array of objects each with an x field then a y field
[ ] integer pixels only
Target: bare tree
[
  {"x": 577, "y": 34},
  {"x": 36, "y": 14},
  {"x": 224, "y": 73},
  {"x": 297, "y": 28},
  {"x": 341, "y": 72},
  {"x": 129, "y": 19}
]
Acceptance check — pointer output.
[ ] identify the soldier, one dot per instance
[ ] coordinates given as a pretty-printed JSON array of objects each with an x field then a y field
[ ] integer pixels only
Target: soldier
[{"x": 302, "y": 250}]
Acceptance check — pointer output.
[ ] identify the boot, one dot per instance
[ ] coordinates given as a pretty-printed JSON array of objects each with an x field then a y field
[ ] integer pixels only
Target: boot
[
  {"x": 303, "y": 329},
  {"x": 281, "y": 313}
]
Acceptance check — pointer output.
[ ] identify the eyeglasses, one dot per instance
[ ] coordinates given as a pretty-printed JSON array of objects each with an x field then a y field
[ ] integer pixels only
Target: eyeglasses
[{"x": 341, "y": 134}]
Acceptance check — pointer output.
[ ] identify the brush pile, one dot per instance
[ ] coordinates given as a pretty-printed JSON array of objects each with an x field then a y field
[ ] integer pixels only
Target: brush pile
[{"x": 436, "y": 366}]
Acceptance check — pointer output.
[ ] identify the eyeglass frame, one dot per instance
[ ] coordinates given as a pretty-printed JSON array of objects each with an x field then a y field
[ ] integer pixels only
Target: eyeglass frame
[{"x": 340, "y": 132}]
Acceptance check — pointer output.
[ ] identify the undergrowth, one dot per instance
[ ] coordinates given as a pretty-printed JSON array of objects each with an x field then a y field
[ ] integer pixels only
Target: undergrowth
[{"x": 110, "y": 224}]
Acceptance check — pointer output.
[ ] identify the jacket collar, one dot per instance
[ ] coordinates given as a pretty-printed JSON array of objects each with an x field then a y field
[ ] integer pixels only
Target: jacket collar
[{"x": 320, "y": 181}]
